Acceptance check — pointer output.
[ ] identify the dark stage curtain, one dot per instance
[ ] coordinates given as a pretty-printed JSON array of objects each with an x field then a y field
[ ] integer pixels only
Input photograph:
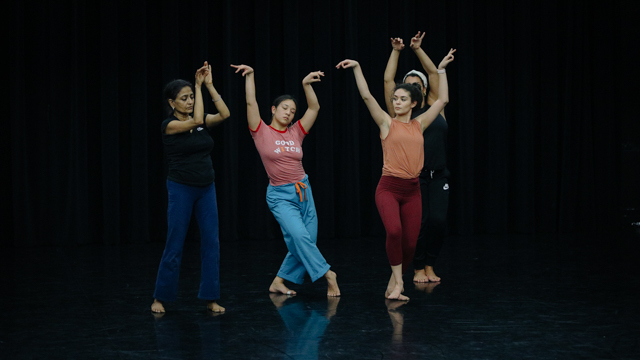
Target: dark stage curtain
[{"x": 540, "y": 105}]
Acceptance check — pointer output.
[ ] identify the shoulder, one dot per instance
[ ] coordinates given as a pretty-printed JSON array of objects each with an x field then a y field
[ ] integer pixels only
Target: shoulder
[
  {"x": 166, "y": 122},
  {"x": 261, "y": 126}
]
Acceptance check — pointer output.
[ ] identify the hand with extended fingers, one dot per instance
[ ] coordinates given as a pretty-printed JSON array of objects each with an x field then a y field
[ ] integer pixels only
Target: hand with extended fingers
[
  {"x": 346, "y": 63},
  {"x": 313, "y": 76},
  {"x": 447, "y": 59},
  {"x": 416, "y": 41},
  {"x": 246, "y": 70},
  {"x": 397, "y": 44},
  {"x": 202, "y": 73}
]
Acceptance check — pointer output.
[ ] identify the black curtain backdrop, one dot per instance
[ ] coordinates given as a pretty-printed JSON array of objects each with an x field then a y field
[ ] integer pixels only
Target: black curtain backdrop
[{"x": 541, "y": 103}]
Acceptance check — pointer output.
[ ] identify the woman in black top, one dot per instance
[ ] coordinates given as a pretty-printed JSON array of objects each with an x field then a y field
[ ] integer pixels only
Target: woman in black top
[
  {"x": 191, "y": 187},
  {"x": 434, "y": 186}
]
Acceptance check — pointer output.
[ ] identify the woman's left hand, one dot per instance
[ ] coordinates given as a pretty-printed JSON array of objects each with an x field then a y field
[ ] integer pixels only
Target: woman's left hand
[
  {"x": 447, "y": 59},
  {"x": 312, "y": 77},
  {"x": 202, "y": 73}
]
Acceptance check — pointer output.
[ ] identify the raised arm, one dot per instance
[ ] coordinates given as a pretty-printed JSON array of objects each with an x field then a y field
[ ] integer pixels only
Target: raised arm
[
  {"x": 253, "y": 114},
  {"x": 177, "y": 126},
  {"x": 223, "y": 110},
  {"x": 443, "y": 93},
  {"x": 382, "y": 119},
  {"x": 313, "y": 106},
  {"x": 390, "y": 74},
  {"x": 428, "y": 66}
]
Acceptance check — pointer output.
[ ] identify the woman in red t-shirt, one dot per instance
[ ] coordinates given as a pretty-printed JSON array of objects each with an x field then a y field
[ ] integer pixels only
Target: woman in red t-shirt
[{"x": 289, "y": 193}]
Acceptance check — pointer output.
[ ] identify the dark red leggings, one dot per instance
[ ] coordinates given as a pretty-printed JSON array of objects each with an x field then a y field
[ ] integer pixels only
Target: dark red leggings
[{"x": 400, "y": 208}]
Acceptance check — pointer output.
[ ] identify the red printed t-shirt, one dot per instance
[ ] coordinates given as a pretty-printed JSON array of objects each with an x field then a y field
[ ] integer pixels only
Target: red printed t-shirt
[
  {"x": 281, "y": 152},
  {"x": 403, "y": 150}
]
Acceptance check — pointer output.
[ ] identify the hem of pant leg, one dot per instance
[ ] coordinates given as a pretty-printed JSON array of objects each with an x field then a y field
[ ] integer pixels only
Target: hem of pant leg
[
  {"x": 431, "y": 261},
  {"x": 288, "y": 278},
  {"x": 163, "y": 299},
  {"x": 320, "y": 273}
]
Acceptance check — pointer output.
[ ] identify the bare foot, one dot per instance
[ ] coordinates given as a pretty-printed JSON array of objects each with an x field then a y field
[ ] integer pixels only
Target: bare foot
[
  {"x": 420, "y": 276},
  {"x": 157, "y": 307},
  {"x": 277, "y": 286},
  {"x": 214, "y": 307},
  {"x": 428, "y": 270},
  {"x": 332, "y": 284},
  {"x": 396, "y": 294}
]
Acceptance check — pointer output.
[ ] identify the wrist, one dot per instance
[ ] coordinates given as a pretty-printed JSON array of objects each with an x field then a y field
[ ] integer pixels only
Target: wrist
[{"x": 441, "y": 71}]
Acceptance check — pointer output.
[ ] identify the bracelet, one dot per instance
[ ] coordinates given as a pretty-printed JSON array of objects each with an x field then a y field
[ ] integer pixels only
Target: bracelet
[
  {"x": 443, "y": 71},
  {"x": 219, "y": 98}
]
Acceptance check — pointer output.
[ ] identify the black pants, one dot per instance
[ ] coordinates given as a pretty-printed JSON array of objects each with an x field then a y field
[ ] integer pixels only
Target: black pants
[{"x": 434, "y": 188}]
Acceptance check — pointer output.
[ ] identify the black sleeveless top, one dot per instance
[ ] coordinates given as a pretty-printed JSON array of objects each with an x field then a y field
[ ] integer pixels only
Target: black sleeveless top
[{"x": 435, "y": 142}]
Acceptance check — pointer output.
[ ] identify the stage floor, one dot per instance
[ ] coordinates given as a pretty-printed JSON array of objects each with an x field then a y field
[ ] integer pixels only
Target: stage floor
[{"x": 501, "y": 297}]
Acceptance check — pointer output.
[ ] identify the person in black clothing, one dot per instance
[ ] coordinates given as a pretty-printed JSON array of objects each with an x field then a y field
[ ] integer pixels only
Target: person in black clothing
[
  {"x": 191, "y": 187},
  {"x": 434, "y": 186}
]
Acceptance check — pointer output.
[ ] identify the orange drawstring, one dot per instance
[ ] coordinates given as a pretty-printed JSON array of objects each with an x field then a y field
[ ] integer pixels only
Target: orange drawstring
[{"x": 298, "y": 185}]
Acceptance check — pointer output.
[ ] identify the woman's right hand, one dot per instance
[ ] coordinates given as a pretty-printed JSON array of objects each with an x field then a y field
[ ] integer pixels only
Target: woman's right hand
[
  {"x": 202, "y": 73},
  {"x": 246, "y": 69},
  {"x": 397, "y": 44},
  {"x": 346, "y": 63}
]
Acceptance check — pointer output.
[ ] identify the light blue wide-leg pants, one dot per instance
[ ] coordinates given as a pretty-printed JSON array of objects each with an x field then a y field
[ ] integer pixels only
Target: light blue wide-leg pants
[{"x": 299, "y": 225}]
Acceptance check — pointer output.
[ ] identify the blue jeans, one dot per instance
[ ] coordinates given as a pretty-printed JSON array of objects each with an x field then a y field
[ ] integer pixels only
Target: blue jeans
[
  {"x": 299, "y": 224},
  {"x": 183, "y": 199}
]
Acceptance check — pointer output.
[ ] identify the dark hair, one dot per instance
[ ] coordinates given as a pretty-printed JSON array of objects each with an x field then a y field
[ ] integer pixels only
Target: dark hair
[
  {"x": 414, "y": 92},
  {"x": 282, "y": 98},
  {"x": 171, "y": 91}
]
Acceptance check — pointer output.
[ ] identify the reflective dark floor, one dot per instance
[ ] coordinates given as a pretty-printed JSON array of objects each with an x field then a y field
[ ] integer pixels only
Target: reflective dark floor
[{"x": 501, "y": 297}]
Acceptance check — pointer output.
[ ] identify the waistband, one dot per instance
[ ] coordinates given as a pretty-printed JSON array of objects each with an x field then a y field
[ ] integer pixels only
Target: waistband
[
  {"x": 398, "y": 184},
  {"x": 301, "y": 187}
]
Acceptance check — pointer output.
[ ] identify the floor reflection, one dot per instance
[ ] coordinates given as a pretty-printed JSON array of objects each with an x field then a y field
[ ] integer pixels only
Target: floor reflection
[
  {"x": 175, "y": 340},
  {"x": 397, "y": 319},
  {"x": 305, "y": 324},
  {"x": 426, "y": 287}
]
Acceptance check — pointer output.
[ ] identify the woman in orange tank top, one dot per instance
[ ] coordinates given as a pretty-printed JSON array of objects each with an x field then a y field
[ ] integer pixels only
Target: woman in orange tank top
[{"x": 398, "y": 192}]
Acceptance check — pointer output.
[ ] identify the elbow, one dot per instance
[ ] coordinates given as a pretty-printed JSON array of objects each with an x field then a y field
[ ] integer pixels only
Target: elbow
[{"x": 445, "y": 101}]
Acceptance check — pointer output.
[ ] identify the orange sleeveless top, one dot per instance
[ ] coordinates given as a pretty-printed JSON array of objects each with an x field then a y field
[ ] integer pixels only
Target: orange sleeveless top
[{"x": 403, "y": 150}]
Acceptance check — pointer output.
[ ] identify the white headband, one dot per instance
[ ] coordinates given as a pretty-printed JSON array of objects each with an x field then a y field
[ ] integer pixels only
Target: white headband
[{"x": 418, "y": 74}]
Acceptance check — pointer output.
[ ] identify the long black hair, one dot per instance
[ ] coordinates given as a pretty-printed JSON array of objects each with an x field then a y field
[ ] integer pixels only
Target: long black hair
[{"x": 171, "y": 91}]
